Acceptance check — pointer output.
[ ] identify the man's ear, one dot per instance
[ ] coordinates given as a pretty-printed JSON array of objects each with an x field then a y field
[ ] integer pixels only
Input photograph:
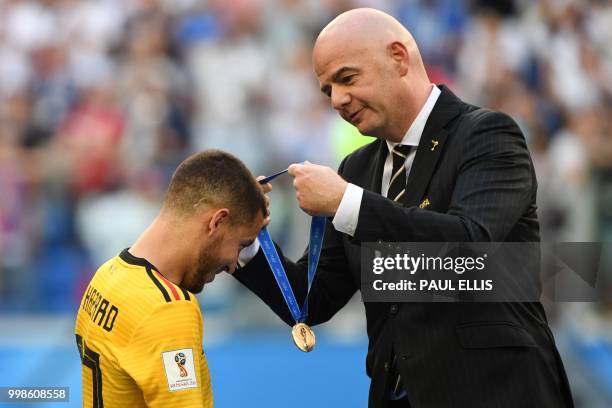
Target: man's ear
[
  {"x": 400, "y": 56},
  {"x": 219, "y": 218}
]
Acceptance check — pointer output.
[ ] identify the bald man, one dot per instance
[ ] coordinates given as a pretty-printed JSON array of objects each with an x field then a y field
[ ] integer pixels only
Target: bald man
[{"x": 439, "y": 170}]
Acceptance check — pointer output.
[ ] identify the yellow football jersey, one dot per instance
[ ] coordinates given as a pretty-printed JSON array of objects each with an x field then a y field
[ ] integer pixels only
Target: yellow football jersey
[{"x": 140, "y": 340}]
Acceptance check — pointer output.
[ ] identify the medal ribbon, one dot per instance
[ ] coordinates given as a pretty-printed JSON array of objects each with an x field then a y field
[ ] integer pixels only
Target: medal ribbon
[{"x": 317, "y": 231}]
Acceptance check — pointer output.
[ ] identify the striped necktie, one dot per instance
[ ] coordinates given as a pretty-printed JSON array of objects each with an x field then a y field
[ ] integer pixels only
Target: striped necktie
[{"x": 397, "y": 185}]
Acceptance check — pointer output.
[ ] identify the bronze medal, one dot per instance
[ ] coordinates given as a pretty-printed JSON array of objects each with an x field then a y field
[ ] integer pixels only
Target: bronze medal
[{"x": 303, "y": 337}]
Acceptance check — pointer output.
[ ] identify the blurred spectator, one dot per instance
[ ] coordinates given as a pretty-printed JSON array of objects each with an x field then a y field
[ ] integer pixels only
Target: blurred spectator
[
  {"x": 103, "y": 229},
  {"x": 87, "y": 142},
  {"x": 230, "y": 74},
  {"x": 15, "y": 247},
  {"x": 153, "y": 89}
]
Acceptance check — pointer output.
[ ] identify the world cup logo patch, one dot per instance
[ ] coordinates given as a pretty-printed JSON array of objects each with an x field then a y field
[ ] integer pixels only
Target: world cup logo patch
[
  {"x": 185, "y": 377},
  {"x": 180, "y": 360}
]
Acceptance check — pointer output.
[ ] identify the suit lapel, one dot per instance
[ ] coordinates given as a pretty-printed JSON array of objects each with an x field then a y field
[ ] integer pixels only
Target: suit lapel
[
  {"x": 424, "y": 164},
  {"x": 433, "y": 141},
  {"x": 376, "y": 169}
]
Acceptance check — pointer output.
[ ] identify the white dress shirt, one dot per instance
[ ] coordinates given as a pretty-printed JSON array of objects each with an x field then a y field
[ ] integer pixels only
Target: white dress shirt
[{"x": 347, "y": 214}]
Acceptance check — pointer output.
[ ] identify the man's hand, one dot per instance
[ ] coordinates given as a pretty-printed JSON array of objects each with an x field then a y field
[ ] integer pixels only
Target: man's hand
[
  {"x": 318, "y": 189},
  {"x": 266, "y": 189}
]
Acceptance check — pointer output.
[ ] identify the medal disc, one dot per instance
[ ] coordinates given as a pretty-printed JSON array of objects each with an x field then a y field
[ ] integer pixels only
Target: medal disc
[{"x": 303, "y": 337}]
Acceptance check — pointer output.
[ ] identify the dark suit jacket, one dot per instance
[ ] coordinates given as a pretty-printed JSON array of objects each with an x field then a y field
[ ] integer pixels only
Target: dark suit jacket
[{"x": 481, "y": 186}]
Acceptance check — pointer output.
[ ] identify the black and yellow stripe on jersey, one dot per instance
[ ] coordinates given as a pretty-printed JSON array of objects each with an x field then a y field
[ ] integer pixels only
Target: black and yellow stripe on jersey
[
  {"x": 140, "y": 339},
  {"x": 156, "y": 277}
]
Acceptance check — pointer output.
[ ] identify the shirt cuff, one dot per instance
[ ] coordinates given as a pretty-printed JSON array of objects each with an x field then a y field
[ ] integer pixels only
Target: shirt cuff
[
  {"x": 347, "y": 214},
  {"x": 248, "y": 253}
]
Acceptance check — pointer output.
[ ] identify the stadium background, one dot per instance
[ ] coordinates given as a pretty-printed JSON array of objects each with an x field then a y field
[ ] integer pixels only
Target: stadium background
[{"x": 100, "y": 100}]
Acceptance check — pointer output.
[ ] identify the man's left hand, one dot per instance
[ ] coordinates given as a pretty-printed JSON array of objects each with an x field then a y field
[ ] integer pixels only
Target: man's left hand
[{"x": 318, "y": 189}]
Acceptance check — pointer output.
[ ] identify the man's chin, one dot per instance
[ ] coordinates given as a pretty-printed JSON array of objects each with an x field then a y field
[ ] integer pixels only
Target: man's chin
[
  {"x": 364, "y": 129},
  {"x": 196, "y": 287},
  {"x": 207, "y": 278},
  {"x": 212, "y": 275}
]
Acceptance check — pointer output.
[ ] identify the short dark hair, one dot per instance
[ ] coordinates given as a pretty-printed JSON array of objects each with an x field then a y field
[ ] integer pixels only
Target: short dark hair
[{"x": 215, "y": 178}]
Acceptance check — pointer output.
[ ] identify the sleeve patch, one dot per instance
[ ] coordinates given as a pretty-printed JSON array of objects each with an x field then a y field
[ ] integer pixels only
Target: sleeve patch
[{"x": 180, "y": 369}]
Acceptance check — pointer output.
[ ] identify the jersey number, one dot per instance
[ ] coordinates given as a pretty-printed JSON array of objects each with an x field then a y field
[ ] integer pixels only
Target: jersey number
[{"x": 91, "y": 359}]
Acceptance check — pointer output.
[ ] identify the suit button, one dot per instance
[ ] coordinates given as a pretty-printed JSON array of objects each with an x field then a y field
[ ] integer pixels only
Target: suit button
[
  {"x": 386, "y": 366},
  {"x": 393, "y": 309},
  {"x": 404, "y": 357}
]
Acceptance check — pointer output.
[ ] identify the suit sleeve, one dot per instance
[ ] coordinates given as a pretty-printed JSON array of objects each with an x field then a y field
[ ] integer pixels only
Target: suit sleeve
[
  {"x": 494, "y": 187},
  {"x": 170, "y": 329},
  {"x": 331, "y": 289}
]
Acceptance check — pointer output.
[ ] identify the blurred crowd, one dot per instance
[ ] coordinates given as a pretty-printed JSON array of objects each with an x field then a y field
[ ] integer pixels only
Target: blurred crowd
[{"x": 101, "y": 99}]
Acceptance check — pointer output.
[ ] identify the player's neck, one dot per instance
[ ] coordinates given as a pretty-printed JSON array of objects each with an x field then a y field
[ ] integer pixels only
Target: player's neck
[{"x": 160, "y": 245}]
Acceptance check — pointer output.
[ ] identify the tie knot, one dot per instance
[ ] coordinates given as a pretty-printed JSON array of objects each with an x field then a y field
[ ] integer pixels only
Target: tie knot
[{"x": 402, "y": 150}]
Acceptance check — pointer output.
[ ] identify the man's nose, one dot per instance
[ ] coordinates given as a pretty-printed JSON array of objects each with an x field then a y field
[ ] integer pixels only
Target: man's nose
[{"x": 339, "y": 98}]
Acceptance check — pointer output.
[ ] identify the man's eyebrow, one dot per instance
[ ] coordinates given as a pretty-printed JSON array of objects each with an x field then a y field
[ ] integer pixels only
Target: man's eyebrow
[{"x": 336, "y": 76}]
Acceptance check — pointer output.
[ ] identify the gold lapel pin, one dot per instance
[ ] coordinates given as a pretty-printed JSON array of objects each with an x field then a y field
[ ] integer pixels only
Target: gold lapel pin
[
  {"x": 434, "y": 143},
  {"x": 425, "y": 203}
]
